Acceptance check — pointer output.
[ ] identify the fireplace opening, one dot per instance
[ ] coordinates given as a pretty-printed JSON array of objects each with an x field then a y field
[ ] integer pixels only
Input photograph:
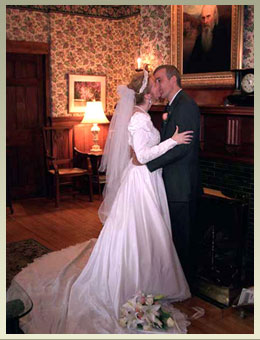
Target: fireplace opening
[{"x": 222, "y": 232}]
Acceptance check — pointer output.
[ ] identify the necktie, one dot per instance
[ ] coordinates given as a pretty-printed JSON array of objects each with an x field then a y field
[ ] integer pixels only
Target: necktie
[{"x": 167, "y": 108}]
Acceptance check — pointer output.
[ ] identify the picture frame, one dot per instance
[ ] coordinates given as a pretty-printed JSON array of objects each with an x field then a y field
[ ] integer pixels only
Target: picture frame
[
  {"x": 84, "y": 88},
  {"x": 207, "y": 79}
]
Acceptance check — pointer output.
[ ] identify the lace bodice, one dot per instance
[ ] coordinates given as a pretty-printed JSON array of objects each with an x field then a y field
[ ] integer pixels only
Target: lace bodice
[{"x": 144, "y": 138}]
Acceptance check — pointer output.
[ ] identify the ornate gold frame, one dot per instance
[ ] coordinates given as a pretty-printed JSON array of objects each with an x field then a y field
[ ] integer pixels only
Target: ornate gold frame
[{"x": 212, "y": 79}]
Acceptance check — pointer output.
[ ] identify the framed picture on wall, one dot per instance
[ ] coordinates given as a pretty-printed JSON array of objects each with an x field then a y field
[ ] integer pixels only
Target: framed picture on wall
[
  {"x": 207, "y": 43},
  {"x": 83, "y": 89}
]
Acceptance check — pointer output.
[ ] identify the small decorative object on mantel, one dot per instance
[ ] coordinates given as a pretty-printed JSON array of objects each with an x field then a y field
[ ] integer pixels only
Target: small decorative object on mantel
[{"x": 243, "y": 94}]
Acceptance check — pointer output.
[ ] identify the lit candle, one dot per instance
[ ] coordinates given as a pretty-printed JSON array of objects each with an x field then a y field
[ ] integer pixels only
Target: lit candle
[{"x": 139, "y": 63}]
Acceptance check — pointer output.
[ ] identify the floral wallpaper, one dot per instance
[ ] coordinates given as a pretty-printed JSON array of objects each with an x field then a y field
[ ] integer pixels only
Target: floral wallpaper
[
  {"x": 27, "y": 25},
  {"x": 80, "y": 45},
  {"x": 155, "y": 35},
  {"x": 91, "y": 46},
  {"x": 98, "y": 46}
]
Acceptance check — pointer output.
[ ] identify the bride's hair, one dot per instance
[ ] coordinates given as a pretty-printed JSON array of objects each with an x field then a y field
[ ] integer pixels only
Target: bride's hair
[{"x": 136, "y": 84}]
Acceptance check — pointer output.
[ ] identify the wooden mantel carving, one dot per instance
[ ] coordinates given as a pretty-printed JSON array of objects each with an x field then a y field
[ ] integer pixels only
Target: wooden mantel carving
[{"x": 227, "y": 132}]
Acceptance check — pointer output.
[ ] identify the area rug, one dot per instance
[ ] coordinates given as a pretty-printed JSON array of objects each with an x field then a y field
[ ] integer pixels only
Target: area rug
[{"x": 19, "y": 254}]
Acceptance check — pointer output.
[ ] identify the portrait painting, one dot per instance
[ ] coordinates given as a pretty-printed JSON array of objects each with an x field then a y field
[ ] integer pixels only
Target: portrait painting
[
  {"x": 207, "y": 43},
  {"x": 206, "y": 38}
]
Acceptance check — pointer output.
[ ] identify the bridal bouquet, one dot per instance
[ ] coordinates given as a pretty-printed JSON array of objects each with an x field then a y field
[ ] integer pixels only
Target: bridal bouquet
[{"x": 146, "y": 312}]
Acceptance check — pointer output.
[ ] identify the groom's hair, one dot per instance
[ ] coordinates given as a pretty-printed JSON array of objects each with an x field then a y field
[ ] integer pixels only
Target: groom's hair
[{"x": 171, "y": 70}]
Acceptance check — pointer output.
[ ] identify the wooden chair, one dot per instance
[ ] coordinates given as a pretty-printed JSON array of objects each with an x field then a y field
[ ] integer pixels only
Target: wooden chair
[
  {"x": 60, "y": 164},
  {"x": 92, "y": 163}
]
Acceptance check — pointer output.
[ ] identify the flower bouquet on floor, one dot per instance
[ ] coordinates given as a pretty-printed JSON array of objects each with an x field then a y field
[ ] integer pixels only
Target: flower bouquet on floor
[{"x": 150, "y": 313}]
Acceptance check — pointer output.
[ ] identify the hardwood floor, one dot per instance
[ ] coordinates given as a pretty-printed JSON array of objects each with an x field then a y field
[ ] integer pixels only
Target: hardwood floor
[{"x": 76, "y": 221}]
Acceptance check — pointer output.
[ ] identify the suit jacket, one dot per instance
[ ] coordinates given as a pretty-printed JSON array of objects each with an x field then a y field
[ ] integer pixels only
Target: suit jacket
[{"x": 180, "y": 165}]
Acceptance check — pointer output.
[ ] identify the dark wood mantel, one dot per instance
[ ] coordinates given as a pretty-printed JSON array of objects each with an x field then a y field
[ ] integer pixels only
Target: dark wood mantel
[
  {"x": 227, "y": 132},
  {"x": 228, "y": 109}
]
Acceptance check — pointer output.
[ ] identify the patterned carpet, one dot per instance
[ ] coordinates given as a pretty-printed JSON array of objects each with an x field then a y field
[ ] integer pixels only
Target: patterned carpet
[{"x": 19, "y": 254}]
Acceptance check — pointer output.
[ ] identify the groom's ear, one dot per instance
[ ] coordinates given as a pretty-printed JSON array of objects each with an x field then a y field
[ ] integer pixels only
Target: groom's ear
[{"x": 173, "y": 81}]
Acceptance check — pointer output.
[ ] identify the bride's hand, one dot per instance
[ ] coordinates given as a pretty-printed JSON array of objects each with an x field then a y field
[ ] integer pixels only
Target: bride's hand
[
  {"x": 183, "y": 137},
  {"x": 134, "y": 158}
]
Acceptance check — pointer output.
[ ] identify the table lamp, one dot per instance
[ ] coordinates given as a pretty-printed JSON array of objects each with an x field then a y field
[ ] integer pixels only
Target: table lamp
[{"x": 94, "y": 114}]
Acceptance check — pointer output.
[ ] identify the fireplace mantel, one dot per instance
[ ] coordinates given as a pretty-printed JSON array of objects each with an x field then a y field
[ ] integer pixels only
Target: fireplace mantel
[{"x": 227, "y": 132}]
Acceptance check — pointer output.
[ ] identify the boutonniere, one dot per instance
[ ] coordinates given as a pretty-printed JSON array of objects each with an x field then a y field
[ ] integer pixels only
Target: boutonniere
[{"x": 165, "y": 117}]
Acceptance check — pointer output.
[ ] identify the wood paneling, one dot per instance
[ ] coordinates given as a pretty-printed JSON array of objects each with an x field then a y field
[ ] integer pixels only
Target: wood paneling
[
  {"x": 27, "y": 47},
  {"x": 227, "y": 132},
  {"x": 209, "y": 96},
  {"x": 25, "y": 116},
  {"x": 83, "y": 138},
  {"x": 28, "y": 105}
]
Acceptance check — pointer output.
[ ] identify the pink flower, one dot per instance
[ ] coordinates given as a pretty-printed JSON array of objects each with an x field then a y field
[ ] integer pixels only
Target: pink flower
[
  {"x": 142, "y": 300},
  {"x": 165, "y": 115}
]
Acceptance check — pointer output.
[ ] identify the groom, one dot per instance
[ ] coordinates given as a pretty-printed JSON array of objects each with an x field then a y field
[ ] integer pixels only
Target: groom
[{"x": 180, "y": 166}]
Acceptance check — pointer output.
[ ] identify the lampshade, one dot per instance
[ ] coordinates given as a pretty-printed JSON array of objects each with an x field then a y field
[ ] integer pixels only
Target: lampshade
[{"x": 94, "y": 113}]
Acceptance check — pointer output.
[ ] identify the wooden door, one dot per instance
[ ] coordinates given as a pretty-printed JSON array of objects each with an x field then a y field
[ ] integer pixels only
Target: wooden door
[{"x": 25, "y": 116}]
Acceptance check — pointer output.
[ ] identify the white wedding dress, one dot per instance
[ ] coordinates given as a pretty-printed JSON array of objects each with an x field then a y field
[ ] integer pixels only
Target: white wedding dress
[{"x": 80, "y": 289}]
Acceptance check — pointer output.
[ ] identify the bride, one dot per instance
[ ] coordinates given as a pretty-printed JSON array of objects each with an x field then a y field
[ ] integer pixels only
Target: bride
[{"x": 80, "y": 289}]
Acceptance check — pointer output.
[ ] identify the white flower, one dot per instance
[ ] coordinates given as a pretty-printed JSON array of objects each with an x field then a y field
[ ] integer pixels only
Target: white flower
[
  {"x": 146, "y": 312},
  {"x": 132, "y": 323},
  {"x": 147, "y": 327},
  {"x": 158, "y": 322},
  {"x": 149, "y": 300},
  {"x": 123, "y": 312},
  {"x": 139, "y": 306},
  {"x": 170, "y": 323},
  {"x": 122, "y": 322}
]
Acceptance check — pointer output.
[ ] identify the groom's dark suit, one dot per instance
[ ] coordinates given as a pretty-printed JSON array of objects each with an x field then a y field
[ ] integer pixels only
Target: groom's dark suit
[{"x": 182, "y": 176}]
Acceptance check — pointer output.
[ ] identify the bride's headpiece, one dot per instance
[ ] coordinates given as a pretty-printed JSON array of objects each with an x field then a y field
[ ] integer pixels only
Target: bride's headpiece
[{"x": 144, "y": 82}]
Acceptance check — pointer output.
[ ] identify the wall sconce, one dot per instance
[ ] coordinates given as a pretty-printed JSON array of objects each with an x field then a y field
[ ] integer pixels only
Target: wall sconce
[
  {"x": 139, "y": 69},
  {"x": 147, "y": 67},
  {"x": 94, "y": 114}
]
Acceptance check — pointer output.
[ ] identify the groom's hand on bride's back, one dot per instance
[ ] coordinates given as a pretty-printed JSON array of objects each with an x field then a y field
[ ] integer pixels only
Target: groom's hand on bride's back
[{"x": 134, "y": 158}]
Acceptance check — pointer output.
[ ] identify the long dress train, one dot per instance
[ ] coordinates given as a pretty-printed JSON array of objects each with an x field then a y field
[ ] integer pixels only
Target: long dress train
[{"x": 80, "y": 289}]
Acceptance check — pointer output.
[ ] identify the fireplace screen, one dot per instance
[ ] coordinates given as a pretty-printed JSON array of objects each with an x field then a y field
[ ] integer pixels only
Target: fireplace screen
[{"x": 222, "y": 230}]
